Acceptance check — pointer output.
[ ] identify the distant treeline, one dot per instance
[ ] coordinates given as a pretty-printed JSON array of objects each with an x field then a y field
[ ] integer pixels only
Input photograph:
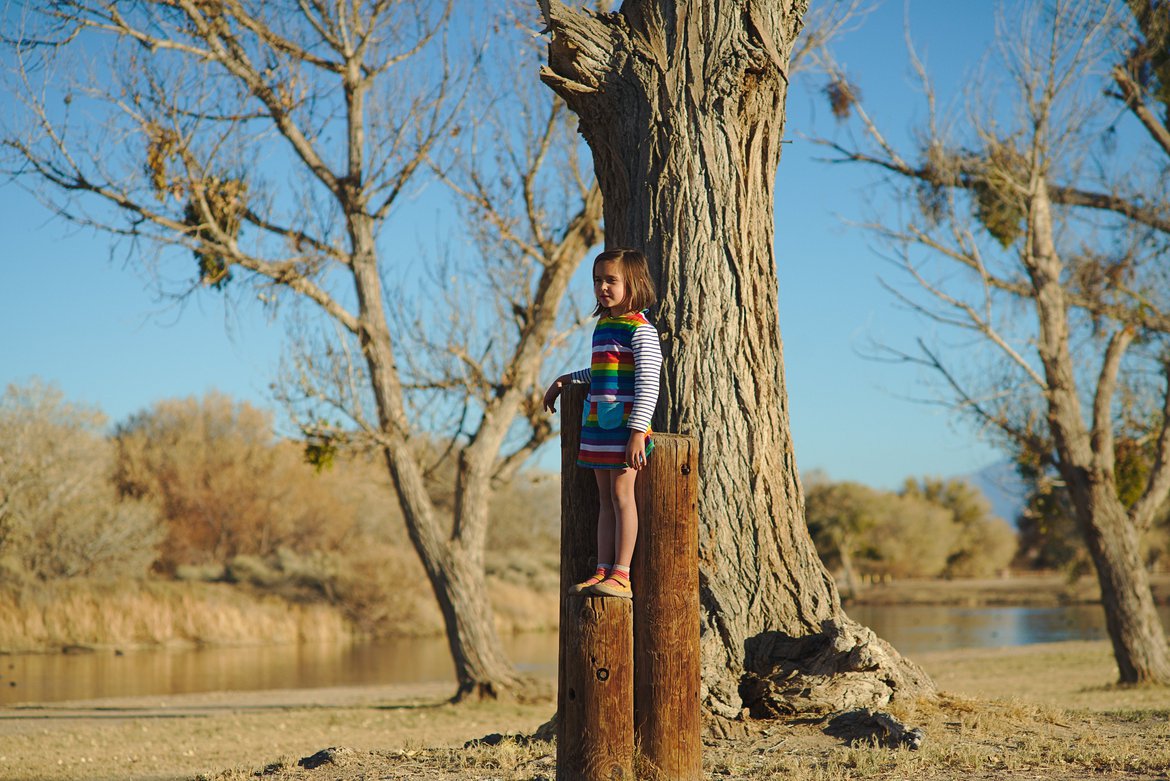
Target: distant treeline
[
  {"x": 931, "y": 528},
  {"x": 934, "y": 527},
  {"x": 203, "y": 489}
]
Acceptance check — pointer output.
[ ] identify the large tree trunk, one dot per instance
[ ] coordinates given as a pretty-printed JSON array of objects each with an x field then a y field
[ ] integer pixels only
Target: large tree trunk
[
  {"x": 1139, "y": 642},
  {"x": 682, "y": 104}
]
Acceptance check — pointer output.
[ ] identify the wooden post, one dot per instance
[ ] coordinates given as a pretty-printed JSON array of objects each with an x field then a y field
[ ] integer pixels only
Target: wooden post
[
  {"x": 595, "y": 709},
  {"x": 578, "y": 498},
  {"x": 665, "y": 575},
  {"x": 595, "y": 671}
]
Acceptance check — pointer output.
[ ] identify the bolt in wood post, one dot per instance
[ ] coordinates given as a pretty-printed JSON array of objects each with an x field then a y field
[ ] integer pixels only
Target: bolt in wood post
[
  {"x": 665, "y": 576},
  {"x": 595, "y": 671}
]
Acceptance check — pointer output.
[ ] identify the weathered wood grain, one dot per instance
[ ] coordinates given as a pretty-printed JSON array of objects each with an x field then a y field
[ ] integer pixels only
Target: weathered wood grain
[
  {"x": 595, "y": 670},
  {"x": 595, "y": 736},
  {"x": 667, "y": 724}
]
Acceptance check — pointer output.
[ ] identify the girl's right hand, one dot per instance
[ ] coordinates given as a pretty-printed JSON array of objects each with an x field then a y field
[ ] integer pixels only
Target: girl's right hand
[{"x": 550, "y": 395}]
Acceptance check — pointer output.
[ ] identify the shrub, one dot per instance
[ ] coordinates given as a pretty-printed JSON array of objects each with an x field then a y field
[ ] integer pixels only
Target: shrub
[{"x": 60, "y": 516}]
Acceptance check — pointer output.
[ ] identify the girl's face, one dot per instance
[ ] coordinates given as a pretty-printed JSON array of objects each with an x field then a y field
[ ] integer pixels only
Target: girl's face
[{"x": 608, "y": 286}]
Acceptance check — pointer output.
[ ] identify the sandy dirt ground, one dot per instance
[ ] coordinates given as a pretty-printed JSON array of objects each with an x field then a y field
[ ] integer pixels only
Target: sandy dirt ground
[
  {"x": 184, "y": 737},
  {"x": 1045, "y": 712}
]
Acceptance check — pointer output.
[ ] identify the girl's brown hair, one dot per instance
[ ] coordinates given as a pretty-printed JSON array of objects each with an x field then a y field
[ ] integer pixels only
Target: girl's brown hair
[{"x": 636, "y": 274}]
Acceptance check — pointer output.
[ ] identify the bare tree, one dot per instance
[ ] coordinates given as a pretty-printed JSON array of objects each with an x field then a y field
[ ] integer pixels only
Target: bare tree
[
  {"x": 1028, "y": 212},
  {"x": 274, "y": 142},
  {"x": 682, "y": 105}
]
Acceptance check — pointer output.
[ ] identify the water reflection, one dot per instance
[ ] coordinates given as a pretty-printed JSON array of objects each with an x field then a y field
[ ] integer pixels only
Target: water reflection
[
  {"x": 53, "y": 677},
  {"x": 912, "y": 629}
]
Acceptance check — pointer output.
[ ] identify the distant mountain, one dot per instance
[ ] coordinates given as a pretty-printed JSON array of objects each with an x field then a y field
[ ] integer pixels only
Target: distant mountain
[{"x": 1003, "y": 488}]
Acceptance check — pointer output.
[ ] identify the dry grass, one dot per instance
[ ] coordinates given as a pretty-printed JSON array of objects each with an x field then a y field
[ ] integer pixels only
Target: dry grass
[
  {"x": 186, "y": 736},
  {"x": 968, "y": 739},
  {"x": 135, "y": 613},
  {"x": 1077, "y": 676},
  {"x": 377, "y": 587}
]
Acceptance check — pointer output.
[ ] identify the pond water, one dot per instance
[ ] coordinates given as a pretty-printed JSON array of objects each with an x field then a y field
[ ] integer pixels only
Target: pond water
[{"x": 913, "y": 629}]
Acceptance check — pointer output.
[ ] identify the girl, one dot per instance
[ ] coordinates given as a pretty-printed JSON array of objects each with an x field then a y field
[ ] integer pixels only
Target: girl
[{"x": 615, "y": 429}]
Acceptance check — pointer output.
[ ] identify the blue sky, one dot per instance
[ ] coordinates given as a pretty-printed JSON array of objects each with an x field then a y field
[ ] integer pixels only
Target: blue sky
[
  {"x": 74, "y": 313},
  {"x": 854, "y": 417}
]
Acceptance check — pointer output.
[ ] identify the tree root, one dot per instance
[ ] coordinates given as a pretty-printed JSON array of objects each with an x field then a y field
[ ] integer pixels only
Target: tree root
[
  {"x": 845, "y": 667},
  {"x": 521, "y": 688}
]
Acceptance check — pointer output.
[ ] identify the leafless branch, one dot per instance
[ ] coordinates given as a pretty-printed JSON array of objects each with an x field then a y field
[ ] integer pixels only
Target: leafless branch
[
  {"x": 1024, "y": 437},
  {"x": 1153, "y": 498},
  {"x": 1102, "y": 424},
  {"x": 824, "y": 24}
]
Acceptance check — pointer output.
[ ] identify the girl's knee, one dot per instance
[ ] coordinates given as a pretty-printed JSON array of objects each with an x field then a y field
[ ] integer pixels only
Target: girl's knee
[{"x": 623, "y": 504}]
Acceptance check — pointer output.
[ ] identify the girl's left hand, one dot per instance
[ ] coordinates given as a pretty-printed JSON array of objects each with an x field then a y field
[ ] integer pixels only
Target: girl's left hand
[
  {"x": 636, "y": 450},
  {"x": 554, "y": 390}
]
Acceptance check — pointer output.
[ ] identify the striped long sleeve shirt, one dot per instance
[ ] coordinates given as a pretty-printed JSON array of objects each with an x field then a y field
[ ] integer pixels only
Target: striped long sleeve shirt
[{"x": 622, "y": 344}]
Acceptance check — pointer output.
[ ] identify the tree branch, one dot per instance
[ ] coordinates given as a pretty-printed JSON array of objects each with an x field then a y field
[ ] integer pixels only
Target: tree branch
[
  {"x": 578, "y": 53},
  {"x": 972, "y": 320},
  {"x": 284, "y": 273},
  {"x": 1151, "y": 217},
  {"x": 1145, "y": 508},
  {"x": 1131, "y": 94},
  {"x": 542, "y": 431},
  {"x": 967, "y": 176},
  {"x": 297, "y": 237},
  {"x": 422, "y": 148},
  {"x": 232, "y": 55},
  {"x": 535, "y": 224},
  {"x": 1102, "y": 429},
  {"x": 1025, "y": 438},
  {"x": 278, "y": 43}
]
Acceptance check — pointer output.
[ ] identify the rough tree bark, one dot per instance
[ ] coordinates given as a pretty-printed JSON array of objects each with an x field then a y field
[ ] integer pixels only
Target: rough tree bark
[{"x": 682, "y": 104}]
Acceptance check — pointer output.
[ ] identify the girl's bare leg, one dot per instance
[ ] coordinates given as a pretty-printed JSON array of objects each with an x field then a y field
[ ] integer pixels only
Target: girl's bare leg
[
  {"x": 605, "y": 516},
  {"x": 625, "y": 515}
]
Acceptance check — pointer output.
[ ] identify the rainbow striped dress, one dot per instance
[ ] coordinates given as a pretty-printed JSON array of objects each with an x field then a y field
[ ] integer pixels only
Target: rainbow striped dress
[{"x": 623, "y": 389}]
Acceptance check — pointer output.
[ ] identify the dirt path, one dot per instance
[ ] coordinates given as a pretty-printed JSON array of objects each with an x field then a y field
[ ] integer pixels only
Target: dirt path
[{"x": 183, "y": 737}]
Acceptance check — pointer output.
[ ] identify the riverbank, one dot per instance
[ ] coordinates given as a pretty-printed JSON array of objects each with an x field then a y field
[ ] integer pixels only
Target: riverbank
[
  {"x": 1044, "y": 711},
  {"x": 80, "y": 615},
  {"x": 77, "y": 616},
  {"x": 87, "y": 615},
  {"x": 1021, "y": 589}
]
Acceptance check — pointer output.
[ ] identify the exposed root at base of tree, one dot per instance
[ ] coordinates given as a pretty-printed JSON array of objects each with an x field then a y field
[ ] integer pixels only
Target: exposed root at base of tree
[
  {"x": 546, "y": 731},
  {"x": 844, "y": 667}
]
